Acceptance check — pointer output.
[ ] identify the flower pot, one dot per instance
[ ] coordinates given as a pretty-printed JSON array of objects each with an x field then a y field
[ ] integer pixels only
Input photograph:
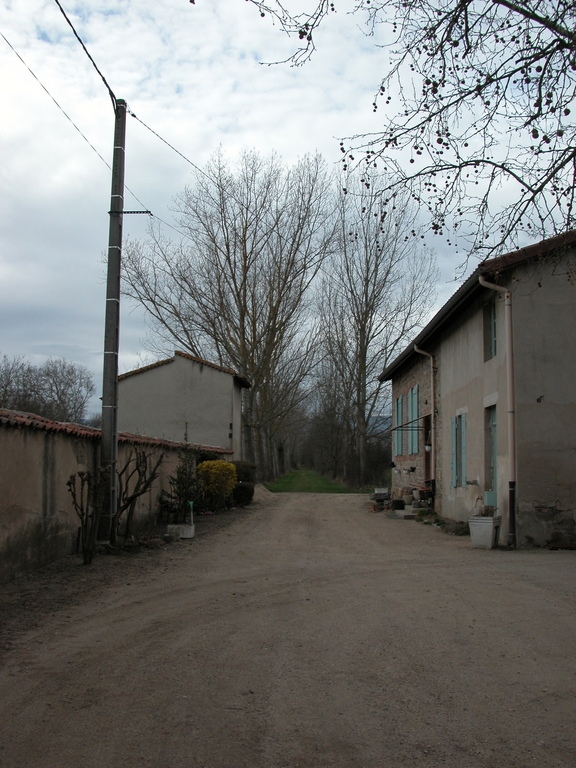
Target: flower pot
[
  {"x": 484, "y": 531},
  {"x": 181, "y": 530}
]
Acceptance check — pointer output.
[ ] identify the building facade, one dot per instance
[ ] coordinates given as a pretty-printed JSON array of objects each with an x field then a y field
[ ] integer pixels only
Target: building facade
[
  {"x": 184, "y": 395},
  {"x": 504, "y": 416}
]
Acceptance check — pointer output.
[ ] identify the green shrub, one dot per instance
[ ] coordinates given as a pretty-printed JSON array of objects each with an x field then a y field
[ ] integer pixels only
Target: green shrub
[
  {"x": 243, "y": 494},
  {"x": 217, "y": 480},
  {"x": 245, "y": 471}
]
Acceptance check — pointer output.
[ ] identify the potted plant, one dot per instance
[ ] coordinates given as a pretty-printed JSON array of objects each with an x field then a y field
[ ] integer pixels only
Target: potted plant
[
  {"x": 485, "y": 526},
  {"x": 180, "y": 501}
]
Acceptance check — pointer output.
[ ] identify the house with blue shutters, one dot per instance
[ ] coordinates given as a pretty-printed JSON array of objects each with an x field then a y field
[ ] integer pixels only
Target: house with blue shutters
[{"x": 484, "y": 398}]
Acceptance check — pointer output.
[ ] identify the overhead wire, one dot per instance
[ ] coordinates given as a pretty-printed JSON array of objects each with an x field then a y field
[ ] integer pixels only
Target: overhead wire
[
  {"x": 66, "y": 115},
  {"x": 87, "y": 140},
  {"x": 114, "y": 100},
  {"x": 113, "y": 97},
  {"x": 168, "y": 143},
  {"x": 77, "y": 36},
  {"x": 106, "y": 163}
]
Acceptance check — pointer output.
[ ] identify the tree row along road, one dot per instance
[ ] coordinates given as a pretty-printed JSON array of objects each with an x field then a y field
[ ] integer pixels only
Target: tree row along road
[{"x": 310, "y": 632}]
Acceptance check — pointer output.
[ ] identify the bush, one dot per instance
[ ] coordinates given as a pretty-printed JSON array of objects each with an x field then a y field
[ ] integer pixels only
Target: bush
[
  {"x": 243, "y": 494},
  {"x": 217, "y": 480},
  {"x": 245, "y": 471}
]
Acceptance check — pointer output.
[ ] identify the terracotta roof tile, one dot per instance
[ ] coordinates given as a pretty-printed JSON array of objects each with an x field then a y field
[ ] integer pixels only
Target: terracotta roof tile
[
  {"x": 20, "y": 420},
  {"x": 145, "y": 368}
]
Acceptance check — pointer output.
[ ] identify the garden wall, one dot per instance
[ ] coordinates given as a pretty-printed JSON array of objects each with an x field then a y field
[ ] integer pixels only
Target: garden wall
[{"x": 37, "y": 456}]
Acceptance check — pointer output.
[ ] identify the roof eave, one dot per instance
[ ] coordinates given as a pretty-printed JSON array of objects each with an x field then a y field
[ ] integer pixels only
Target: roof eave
[
  {"x": 489, "y": 267},
  {"x": 439, "y": 320}
]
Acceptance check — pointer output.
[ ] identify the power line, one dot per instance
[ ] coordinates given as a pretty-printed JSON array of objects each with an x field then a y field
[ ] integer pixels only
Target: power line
[
  {"x": 168, "y": 144},
  {"x": 153, "y": 215},
  {"x": 66, "y": 115},
  {"x": 113, "y": 97},
  {"x": 86, "y": 139},
  {"x": 77, "y": 36}
]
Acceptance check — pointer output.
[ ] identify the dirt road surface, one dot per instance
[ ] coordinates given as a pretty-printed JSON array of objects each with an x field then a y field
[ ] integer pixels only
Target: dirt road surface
[{"x": 310, "y": 632}]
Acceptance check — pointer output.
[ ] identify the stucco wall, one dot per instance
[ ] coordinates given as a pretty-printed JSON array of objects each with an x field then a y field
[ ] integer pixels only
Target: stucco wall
[
  {"x": 544, "y": 337},
  {"x": 161, "y": 401},
  {"x": 469, "y": 385},
  {"x": 544, "y": 304},
  {"x": 37, "y": 520}
]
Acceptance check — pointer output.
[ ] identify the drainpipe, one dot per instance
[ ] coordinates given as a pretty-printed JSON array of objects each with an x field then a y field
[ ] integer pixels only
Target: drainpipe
[
  {"x": 511, "y": 409},
  {"x": 432, "y": 425}
]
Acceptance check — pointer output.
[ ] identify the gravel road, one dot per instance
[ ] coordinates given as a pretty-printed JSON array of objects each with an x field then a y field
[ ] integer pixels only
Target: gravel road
[{"x": 310, "y": 632}]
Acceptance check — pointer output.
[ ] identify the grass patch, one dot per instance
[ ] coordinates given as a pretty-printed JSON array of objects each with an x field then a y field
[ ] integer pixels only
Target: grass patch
[{"x": 306, "y": 481}]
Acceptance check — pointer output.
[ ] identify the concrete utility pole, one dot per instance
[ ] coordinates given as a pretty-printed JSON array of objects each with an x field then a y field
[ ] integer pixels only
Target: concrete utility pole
[{"x": 109, "y": 448}]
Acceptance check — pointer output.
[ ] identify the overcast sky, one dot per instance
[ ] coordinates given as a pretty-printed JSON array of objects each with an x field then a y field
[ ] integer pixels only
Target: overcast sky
[{"x": 193, "y": 74}]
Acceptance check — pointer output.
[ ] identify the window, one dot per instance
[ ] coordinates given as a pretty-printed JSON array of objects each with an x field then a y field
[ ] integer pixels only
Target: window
[
  {"x": 399, "y": 421},
  {"x": 413, "y": 422},
  {"x": 459, "y": 451},
  {"x": 490, "y": 329}
]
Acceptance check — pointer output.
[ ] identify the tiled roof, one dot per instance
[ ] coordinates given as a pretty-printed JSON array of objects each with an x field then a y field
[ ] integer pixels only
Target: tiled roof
[
  {"x": 240, "y": 379},
  {"x": 537, "y": 250},
  {"x": 460, "y": 300},
  {"x": 20, "y": 420},
  {"x": 145, "y": 368}
]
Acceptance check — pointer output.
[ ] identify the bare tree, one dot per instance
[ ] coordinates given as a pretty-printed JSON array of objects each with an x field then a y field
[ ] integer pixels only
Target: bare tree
[
  {"x": 478, "y": 98},
  {"x": 88, "y": 492},
  {"x": 238, "y": 289},
  {"x": 58, "y": 389},
  {"x": 135, "y": 478},
  {"x": 328, "y": 440},
  {"x": 379, "y": 292}
]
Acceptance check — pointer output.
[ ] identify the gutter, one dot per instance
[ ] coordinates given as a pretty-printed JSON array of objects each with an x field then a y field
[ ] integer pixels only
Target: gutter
[{"x": 511, "y": 400}]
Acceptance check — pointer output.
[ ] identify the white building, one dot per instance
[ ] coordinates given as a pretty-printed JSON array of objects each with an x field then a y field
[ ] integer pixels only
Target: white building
[{"x": 184, "y": 394}]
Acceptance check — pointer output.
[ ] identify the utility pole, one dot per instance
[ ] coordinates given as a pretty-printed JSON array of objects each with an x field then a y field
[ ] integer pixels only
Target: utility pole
[{"x": 109, "y": 447}]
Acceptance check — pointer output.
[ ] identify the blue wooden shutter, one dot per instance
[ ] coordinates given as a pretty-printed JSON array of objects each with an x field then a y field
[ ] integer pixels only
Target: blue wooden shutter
[
  {"x": 409, "y": 421},
  {"x": 398, "y": 430},
  {"x": 453, "y": 458},
  {"x": 415, "y": 426},
  {"x": 463, "y": 450}
]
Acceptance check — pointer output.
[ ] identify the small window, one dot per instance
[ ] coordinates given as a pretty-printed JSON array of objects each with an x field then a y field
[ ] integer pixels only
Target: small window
[
  {"x": 459, "y": 451},
  {"x": 490, "y": 329}
]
